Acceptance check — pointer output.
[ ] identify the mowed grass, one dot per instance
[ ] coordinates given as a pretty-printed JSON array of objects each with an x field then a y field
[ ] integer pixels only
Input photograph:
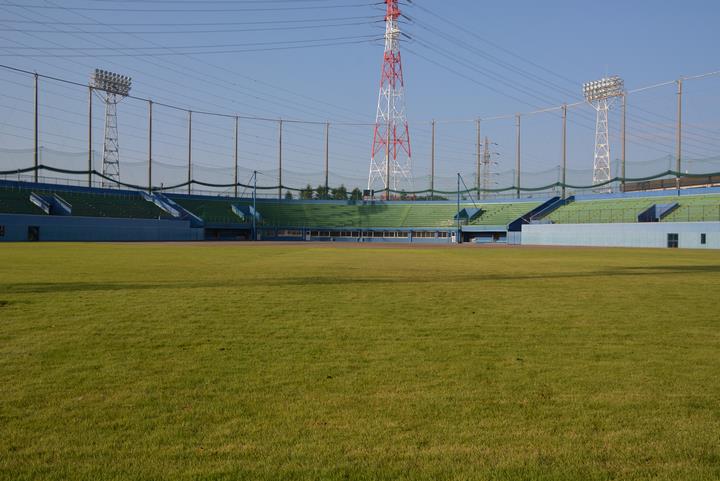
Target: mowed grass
[{"x": 272, "y": 362}]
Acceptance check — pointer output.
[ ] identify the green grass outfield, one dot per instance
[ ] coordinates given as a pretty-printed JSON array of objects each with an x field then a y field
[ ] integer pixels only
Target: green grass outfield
[{"x": 274, "y": 362}]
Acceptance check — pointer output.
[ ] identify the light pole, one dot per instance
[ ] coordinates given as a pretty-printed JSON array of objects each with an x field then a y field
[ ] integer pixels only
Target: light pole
[
  {"x": 601, "y": 94},
  {"x": 116, "y": 87}
]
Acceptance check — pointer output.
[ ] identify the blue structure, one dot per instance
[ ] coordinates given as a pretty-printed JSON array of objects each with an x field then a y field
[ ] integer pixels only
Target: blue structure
[
  {"x": 18, "y": 228},
  {"x": 686, "y": 235},
  {"x": 45, "y": 212}
]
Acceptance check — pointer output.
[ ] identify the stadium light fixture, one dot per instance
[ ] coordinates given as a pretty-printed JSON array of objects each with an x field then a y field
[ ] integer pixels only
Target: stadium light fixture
[
  {"x": 111, "y": 83},
  {"x": 603, "y": 89}
]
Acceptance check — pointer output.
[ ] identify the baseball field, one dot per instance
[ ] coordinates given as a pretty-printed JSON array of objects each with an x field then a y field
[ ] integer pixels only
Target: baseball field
[{"x": 319, "y": 362}]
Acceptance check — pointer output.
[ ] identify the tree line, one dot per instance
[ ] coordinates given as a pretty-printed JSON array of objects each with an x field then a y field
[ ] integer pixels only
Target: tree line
[
  {"x": 329, "y": 193},
  {"x": 341, "y": 193}
]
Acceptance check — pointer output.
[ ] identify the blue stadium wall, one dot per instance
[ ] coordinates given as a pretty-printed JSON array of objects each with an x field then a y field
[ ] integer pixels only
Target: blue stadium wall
[
  {"x": 689, "y": 235},
  {"x": 18, "y": 228}
]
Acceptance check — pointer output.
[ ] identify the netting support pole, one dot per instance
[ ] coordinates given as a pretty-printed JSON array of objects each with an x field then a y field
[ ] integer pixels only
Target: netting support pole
[
  {"x": 189, "y": 173},
  {"x": 457, "y": 234},
  {"x": 623, "y": 143},
  {"x": 327, "y": 159},
  {"x": 517, "y": 156},
  {"x": 237, "y": 131},
  {"x": 678, "y": 141},
  {"x": 36, "y": 149},
  {"x": 90, "y": 141},
  {"x": 564, "y": 149},
  {"x": 280, "y": 152},
  {"x": 477, "y": 157},
  {"x": 432, "y": 162},
  {"x": 150, "y": 126},
  {"x": 254, "y": 213},
  {"x": 387, "y": 165}
]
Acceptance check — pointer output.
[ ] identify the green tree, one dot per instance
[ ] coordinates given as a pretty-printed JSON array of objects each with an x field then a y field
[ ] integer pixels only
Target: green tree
[
  {"x": 288, "y": 195},
  {"x": 307, "y": 193},
  {"x": 356, "y": 194},
  {"x": 321, "y": 192},
  {"x": 340, "y": 193}
]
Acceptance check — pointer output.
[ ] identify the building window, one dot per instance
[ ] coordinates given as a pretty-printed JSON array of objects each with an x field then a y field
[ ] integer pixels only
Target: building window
[
  {"x": 703, "y": 238},
  {"x": 289, "y": 233},
  {"x": 672, "y": 241}
]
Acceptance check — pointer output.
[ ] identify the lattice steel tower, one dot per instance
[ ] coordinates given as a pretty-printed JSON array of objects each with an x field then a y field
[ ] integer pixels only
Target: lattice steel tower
[
  {"x": 391, "y": 160},
  {"x": 485, "y": 172},
  {"x": 114, "y": 88},
  {"x": 601, "y": 95}
]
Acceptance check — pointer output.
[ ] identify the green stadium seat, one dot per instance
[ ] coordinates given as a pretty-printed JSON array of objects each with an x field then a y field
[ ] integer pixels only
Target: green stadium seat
[
  {"x": 692, "y": 208},
  {"x": 128, "y": 205},
  {"x": 17, "y": 201}
]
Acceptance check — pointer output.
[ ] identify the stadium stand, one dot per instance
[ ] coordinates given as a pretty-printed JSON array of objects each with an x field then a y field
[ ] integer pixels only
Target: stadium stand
[
  {"x": 602, "y": 211},
  {"x": 503, "y": 214},
  {"x": 701, "y": 208},
  {"x": 424, "y": 215},
  {"x": 323, "y": 215},
  {"x": 224, "y": 218},
  {"x": 340, "y": 215},
  {"x": 17, "y": 201},
  {"x": 209, "y": 210},
  {"x": 124, "y": 205}
]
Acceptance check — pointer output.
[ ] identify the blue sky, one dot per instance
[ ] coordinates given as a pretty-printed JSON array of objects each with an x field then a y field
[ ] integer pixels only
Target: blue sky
[{"x": 464, "y": 59}]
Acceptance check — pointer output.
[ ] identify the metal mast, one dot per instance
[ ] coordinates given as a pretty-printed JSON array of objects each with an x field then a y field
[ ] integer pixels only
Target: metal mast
[
  {"x": 111, "y": 147},
  {"x": 601, "y": 95},
  {"x": 601, "y": 163},
  {"x": 486, "y": 170},
  {"x": 114, "y": 88},
  {"x": 391, "y": 160}
]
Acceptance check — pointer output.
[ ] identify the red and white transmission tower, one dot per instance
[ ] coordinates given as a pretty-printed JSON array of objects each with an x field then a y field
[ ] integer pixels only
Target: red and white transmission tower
[{"x": 391, "y": 161}]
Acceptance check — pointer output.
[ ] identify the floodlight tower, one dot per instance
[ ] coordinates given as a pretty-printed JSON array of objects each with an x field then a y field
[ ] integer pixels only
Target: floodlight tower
[
  {"x": 601, "y": 95},
  {"x": 391, "y": 160},
  {"x": 115, "y": 88}
]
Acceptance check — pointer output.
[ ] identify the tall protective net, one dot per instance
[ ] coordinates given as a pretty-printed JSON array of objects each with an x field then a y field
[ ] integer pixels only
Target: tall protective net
[{"x": 517, "y": 155}]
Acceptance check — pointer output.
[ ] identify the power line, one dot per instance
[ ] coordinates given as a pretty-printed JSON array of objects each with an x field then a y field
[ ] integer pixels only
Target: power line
[
  {"x": 189, "y": 10},
  {"x": 183, "y": 72},
  {"x": 192, "y": 32},
  {"x": 231, "y": 2},
  {"x": 520, "y": 71},
  {"x": 201, "y": 24},
  {"x": 139, "y": 51},
  {"x": 456, "y": 41},
  {"x": 181, "y": 47},
  {"x": 495, "y": 45},
  {"x": 221, "y": 68}
]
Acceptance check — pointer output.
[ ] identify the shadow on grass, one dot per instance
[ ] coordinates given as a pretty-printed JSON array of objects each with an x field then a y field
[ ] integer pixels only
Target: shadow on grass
[
  {"x": 675, "y": 269},
  {"x": 59, "y": 287}
]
